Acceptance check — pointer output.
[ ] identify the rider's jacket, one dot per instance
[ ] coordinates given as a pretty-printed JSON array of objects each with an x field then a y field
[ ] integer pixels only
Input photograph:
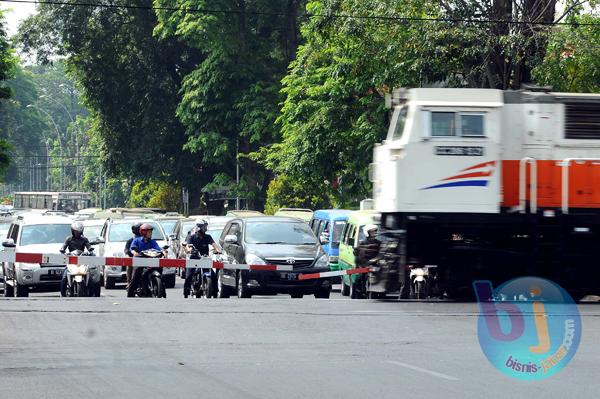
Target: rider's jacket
[
  {"x": 76, "y": 244},
  {"x": 200, "y": 242},
  {"x": 140, "y": 244}
]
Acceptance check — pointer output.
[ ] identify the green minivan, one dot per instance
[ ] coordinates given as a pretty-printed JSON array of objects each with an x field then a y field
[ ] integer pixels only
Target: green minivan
[{"x": 351, "y": 236}]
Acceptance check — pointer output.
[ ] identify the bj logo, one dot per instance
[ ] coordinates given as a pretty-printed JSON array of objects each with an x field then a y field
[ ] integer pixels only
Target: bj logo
[{"x": 529, "y": 328}]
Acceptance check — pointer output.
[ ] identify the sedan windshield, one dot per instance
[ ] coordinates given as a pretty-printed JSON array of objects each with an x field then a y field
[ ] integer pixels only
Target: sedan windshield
[
  {"x": 92, "y": 232},
  {"x": 121, "y": 232},
  {"x": 279, "y": 233},
  {"x": 45, "y": 234},
  {"x": 168, "y": 226}
]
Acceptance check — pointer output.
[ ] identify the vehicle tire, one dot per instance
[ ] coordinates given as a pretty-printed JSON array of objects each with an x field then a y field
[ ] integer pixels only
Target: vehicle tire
[
  {"x": 355, "y": 292},
  {"x": 21, "y": 290},
  {"x": 242, "y": 288},
  {"x": 323, "y": 294},
  {"x": 9, "y": 290},
  {"x": 169, "y": 282},
  {"x": 109, "y": 282},
  {"x": 157, "y": 287},
  {"x": 222, "y": 289},
  {"x": 298, "y": 296},
  {"x": 81, "y": 291},
  {"x": 420, "y": 290},
  {"x": 345, "y": 291},
  {"x": 209, "y": 288}
]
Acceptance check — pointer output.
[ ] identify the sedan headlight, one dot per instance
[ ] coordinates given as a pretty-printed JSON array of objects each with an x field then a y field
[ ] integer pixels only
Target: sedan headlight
[
  {"x": 323, "y": 261},
  {"x": 252, "y": 259}
]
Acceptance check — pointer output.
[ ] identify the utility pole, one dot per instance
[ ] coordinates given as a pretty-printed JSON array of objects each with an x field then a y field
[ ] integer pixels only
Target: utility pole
[{"x": 237, "y": 174}]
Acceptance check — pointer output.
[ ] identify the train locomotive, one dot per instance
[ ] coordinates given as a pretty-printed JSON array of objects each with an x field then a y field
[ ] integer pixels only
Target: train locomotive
[{"x": 489, "y": 184}]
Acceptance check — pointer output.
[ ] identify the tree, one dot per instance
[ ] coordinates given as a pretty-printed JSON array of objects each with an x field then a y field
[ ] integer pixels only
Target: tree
[
  {"x": 230, "y": 99},
  {"x": 130, "y": 81},
  {"x": 7, "y": 64},
  {"x": 333, "y": 112},
  {"x": 571, "y": 64}
]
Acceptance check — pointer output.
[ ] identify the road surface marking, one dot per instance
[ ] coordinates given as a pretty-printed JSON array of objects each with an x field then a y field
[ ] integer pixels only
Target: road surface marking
[{"x": 415, "y": 368}]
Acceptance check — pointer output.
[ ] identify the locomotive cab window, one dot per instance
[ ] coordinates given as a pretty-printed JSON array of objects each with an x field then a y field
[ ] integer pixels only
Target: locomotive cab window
[
  {"x": 399, "y": 123},
  {"x": 457, "y": 124}
]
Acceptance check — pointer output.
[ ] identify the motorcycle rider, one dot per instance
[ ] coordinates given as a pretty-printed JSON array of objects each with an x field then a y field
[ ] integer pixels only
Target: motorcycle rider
[
  {"x": 367, "y": 250},
  {"x": 76, "y": 242},
  {"x": 135, "y": 229},
  {"x": 139, "y": 245},
  {"x": 199, "y": 241}
]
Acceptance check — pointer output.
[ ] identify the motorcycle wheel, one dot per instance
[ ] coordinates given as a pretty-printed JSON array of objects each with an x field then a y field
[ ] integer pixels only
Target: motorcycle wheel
[
  {"x": 242, "y": 288},
  {"x": 80, "y": 289},
  {"x": 207, "y": 288},
  {"x": 155, "y": 287},
  {"x": 420, "y": 290}
]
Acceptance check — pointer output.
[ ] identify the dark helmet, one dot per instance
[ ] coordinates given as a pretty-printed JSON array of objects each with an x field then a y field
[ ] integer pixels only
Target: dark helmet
[
  {"x": 135, "y": 228},
  {"x": 145, "y": 228}
]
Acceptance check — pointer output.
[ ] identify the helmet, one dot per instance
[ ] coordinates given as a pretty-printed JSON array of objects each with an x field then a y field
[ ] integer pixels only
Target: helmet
[
  {"x": 368, "y": 228},
  {"x": 77, "y": 227},
  {"x": 201, "y": 222},
  {"x": 135, "y": 228},
  {"x": 146, "y": 227}
]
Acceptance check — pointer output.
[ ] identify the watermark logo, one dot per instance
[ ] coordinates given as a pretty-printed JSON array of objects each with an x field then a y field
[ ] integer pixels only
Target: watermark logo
[{"x": 529, "y": 328}]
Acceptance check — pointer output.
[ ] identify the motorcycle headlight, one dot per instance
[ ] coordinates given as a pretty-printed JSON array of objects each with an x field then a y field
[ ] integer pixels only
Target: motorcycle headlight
[
  {"x": 323, "y": 261},
  {"x": 252, "y": 259}
]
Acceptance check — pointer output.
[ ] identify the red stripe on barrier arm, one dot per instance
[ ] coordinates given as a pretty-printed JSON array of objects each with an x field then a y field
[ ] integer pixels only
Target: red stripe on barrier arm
[
  {"x": 28, "y": 258},
  {"x": 73, "y": 260},
  {"x": 218, "y": 265},
  {"x": 266, "y": 268},
  {"x": 360, "y": 270},
  {"x": 172, "y": 263},
  {"x": 309, "y": 276},
  {"x": 118, "y": 262}
]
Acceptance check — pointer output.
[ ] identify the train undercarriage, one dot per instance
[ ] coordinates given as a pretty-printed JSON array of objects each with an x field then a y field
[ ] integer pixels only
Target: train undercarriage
[{"x": 466, "y": 247}]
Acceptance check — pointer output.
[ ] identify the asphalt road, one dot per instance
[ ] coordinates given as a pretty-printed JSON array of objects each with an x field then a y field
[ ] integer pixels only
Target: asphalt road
[{"x": 277, "y": 347}]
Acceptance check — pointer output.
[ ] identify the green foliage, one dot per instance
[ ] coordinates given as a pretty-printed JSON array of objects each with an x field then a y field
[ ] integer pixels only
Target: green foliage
[
  {"x": 7, "y": 65},
  {"x": 334, "y": 112},
  {"x": 286, "y": 193},
  {"x": 230, "y": 99},
  {"x": 155, "y": 195},
  {"x": 572, "y": 63},
  {"x": 129, "y": 80}
]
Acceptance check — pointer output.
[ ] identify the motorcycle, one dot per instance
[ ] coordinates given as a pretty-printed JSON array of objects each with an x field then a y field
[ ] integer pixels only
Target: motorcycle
[
  {"x": 204, "y": 281},
  {"x": 150, "y": 283},
  {"x": 421, "y": 280},
  {"x": 83, "y": 280}
]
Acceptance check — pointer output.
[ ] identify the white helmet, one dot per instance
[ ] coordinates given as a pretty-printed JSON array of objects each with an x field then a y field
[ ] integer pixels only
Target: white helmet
[
  {"x": 369, "y": 227},
  {"x": 77, "y": 226}
]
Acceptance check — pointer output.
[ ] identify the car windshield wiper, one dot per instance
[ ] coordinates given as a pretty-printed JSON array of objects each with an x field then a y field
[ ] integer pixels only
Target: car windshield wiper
[{"x": 271, "y": 242}]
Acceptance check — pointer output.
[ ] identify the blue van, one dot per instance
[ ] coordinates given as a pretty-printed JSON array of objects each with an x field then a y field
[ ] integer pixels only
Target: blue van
[{"x": 328, "y": 226}]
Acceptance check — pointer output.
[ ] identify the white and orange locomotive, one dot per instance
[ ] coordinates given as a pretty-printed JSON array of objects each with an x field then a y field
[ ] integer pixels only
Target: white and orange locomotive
[{"x": 490, "y": 184}]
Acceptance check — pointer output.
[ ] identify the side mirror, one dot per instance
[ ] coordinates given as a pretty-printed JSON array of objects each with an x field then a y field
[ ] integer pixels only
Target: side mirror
[
  {"x": 231, "y": 239},
  {"x": 172, "y": 237},
  {"x": 97, "y": 241},
  {"x": 166, "y": 247},
  {"x": 9, "y": 243}
]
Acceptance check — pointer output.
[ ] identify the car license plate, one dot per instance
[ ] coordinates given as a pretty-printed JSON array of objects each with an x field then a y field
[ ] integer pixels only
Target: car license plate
[
  {"x": 55, "y": 272},
  {"x": 289, "y": 276}
]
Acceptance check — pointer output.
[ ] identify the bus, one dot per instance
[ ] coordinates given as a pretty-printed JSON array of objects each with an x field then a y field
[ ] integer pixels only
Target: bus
[{"x": 55, "y": 201}]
